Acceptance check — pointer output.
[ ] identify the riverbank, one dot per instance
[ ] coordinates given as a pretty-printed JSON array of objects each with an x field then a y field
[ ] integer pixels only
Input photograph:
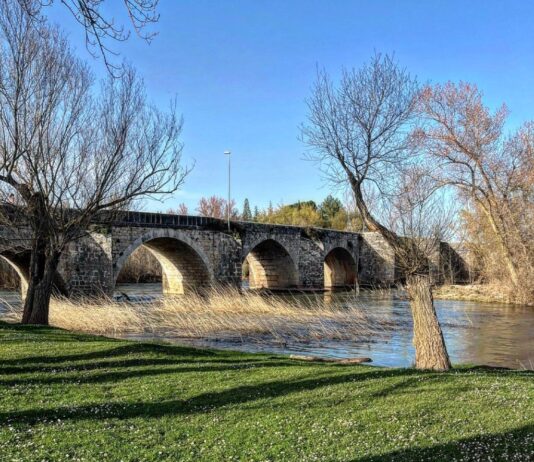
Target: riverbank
[
  {"x": 342, "y": 325},
  {"x": 67, "y": 396},
  {"x": 483, "y": 293}
]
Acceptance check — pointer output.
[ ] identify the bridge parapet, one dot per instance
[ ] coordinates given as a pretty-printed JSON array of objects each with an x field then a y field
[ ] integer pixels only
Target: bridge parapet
[{"x": 165, "y": 220}]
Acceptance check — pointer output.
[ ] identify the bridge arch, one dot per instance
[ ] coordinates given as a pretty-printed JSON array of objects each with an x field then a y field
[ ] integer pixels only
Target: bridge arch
[
  {"x": 340, "y": 269},
  {"x": 20, "y": 262},
  {"x": 21, "y": 268},
  {"x": 271, "y": 266},
  {"x": 184, "y": 265}
]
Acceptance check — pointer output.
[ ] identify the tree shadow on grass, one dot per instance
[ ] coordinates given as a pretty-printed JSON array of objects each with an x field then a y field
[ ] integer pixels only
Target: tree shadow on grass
[
  {"x": 200, "y": 403},
  {"x": 395, "y": 388},
  {"x": 419, "y": 383},
  {"x": 52, "y": 333},
  {"x": 66, "y": 367},
  {"x": 99, "y": 360},
  {"x": 516, "y": 444},
  {"x": 122, "y": 350},
  {"x": 73, "y": 376}
]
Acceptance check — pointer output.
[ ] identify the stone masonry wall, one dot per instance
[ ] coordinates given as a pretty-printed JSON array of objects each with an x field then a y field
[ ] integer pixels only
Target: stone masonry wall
[
  {"x": 85, "y": 266},
  {"x": 198, "y": 250},
  {"x": 376, "y": 266},
  {"x": 315, "y": 245},
  {"x": 220, "y": 252},
  {"x": 311, "y": 266}
]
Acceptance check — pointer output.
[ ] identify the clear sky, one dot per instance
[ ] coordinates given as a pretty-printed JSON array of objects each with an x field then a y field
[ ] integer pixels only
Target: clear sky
[{"x": 242, "y": 70}]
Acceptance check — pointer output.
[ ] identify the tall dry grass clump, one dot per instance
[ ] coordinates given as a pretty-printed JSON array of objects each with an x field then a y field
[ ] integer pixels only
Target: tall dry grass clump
[
  {"x": 487, "y": 257},
  {"x": 222, "y": 314}
]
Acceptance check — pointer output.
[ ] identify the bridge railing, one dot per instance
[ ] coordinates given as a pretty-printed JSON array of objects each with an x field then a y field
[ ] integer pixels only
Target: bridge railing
[
  {"x": 164, "y": 219},
  {"x": 136, "y": 218},
  {"x": 156, "y": 219}
]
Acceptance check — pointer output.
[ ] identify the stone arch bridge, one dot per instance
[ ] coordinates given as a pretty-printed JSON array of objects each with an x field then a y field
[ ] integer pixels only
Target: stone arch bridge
[{"x": 197, "y": 252}]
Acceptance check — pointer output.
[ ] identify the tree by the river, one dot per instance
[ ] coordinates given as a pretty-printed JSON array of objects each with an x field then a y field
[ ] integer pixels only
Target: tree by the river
[
  {"x": 72, "y": 150},
  {"x": 358, "y": 132}
]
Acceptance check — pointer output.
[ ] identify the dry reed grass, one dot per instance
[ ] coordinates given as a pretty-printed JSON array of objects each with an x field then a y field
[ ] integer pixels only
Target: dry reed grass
[
  {"x": 222, "y": 314},
  {"x": 483, "y": 293}
]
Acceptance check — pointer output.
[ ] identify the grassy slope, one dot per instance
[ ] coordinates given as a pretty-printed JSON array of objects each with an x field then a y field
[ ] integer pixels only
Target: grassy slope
[{"x": 66, "y": 396}]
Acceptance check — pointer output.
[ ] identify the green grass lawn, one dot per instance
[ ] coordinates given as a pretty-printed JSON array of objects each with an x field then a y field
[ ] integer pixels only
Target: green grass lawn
[{"x": 66, "y": 396}]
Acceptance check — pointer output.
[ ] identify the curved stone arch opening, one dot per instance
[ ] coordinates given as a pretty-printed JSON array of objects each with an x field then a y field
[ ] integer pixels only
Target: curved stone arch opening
[
  {"x": 20, "y": 263},
  {"x": 21, "y": 270},
  {"x": 184, "y": 266},
  {"x": 271, "y": 266},
  {"x": 340, "y": 269}
]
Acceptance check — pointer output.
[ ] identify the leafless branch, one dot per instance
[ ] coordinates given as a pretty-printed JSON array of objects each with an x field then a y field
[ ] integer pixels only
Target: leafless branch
[{"x": 99, "y": 28}]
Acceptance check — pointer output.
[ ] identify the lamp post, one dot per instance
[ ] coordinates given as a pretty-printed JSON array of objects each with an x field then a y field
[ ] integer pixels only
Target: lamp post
[{"x": 229, "y": 154}]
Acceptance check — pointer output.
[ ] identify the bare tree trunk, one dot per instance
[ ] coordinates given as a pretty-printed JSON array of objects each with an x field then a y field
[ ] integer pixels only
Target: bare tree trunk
[
  {"x": 36, "y": 271},
  {"x": 42, "y": 271},
  {"x": 359, "y": 127},
  {"x": 505, "y": 248},
  {"x": 430, "y": 350}
]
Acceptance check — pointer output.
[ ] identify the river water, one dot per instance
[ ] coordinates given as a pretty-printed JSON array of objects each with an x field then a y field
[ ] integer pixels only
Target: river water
[{"x": 475, "y": 333}]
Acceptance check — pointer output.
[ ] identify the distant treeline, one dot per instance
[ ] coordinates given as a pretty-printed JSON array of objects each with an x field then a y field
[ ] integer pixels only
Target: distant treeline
[{"x": 330, "y": 213}]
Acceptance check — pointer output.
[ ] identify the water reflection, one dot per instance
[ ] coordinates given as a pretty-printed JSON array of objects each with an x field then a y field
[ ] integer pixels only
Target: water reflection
[{"x": 475, "y": 333}]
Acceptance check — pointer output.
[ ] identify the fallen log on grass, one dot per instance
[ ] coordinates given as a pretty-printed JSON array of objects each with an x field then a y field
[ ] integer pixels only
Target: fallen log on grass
[{"x": 331, "y": 360}]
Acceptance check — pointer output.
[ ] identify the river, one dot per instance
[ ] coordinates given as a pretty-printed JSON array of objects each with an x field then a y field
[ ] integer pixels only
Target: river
[{"x": 475, "y": 333}]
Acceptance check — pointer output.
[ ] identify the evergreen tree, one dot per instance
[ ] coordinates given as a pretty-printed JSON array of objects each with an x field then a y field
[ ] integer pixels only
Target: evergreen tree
[
  {"x": 330, "y": 208},
  {"x": 256, "y": 214},
  {"x": 303, "y": 205},
  {"x": 247, "y": 214}
]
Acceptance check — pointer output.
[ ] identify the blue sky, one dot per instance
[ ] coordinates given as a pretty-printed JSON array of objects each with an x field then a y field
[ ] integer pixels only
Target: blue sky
[{"x": 241, "y": 71}]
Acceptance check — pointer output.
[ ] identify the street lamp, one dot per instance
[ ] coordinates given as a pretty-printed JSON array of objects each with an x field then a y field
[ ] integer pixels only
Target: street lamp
[{"x": 229, "y": 154}]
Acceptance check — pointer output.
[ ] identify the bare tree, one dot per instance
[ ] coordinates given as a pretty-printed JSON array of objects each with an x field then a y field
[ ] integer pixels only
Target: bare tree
[
  {"x": 217, "y": 207},
  {"x": 358, "y": 132},
  {"x": 422, "y": 217},
  {"x": 99, "y": 28},
  {"x": 182, "y": 209},
  {"x": 70, "y": 152},
  {"x": 488, "y": 167}
]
